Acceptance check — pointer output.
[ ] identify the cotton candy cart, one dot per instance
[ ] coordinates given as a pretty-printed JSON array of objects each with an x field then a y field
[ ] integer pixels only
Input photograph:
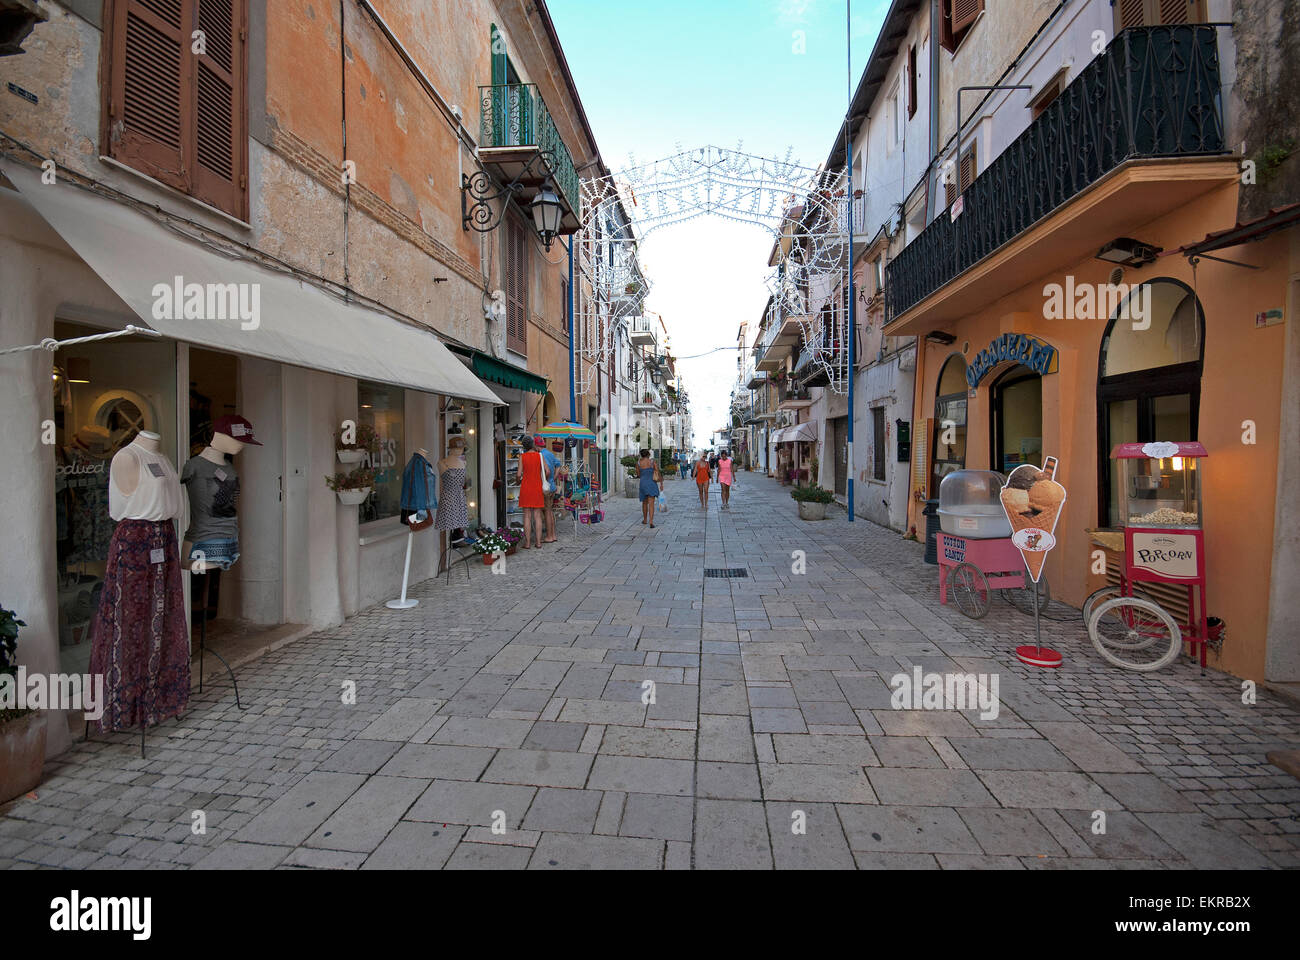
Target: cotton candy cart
[
  {"x": 975, "y": 549},
  {"x": 1159, "y": 498}
]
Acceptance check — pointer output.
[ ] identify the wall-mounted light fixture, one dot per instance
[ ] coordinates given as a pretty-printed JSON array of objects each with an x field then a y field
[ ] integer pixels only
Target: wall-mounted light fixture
[
  {"x": 939, "y": 337},
  {"x": 1128, "y": 252}
]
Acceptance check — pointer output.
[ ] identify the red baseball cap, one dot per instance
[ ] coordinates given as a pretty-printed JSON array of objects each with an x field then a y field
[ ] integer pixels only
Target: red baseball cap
[{"x": 233, "y": 425}]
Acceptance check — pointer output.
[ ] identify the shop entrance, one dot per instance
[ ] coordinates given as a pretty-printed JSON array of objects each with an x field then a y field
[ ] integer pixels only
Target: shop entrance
[
  {"x": 1017, "y": 419},
  {"x": 840, "y": 445}
]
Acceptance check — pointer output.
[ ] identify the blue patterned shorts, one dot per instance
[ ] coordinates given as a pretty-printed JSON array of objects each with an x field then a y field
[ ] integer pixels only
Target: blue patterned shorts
[{"x": 218, "y": 553}]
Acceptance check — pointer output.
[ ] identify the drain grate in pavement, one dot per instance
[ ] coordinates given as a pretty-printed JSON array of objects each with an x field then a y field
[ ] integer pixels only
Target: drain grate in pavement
[{"x": 725, "y": 573}]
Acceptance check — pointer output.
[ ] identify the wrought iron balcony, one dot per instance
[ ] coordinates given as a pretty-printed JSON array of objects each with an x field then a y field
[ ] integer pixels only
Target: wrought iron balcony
[
  {"x": 515, "y": 115},
  {"x": 1153, "y": 93}
]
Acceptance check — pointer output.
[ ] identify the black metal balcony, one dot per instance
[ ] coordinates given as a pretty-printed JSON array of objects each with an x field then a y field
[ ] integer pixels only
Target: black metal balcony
[{"x": 1153, "y": 93}]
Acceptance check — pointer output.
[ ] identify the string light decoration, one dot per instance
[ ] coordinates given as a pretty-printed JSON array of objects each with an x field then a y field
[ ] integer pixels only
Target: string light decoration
[{"x": 804, "y": 209}]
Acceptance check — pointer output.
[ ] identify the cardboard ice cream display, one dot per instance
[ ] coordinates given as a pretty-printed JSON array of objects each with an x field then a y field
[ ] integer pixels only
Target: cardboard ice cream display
[{"x": 1033, "y": 501}]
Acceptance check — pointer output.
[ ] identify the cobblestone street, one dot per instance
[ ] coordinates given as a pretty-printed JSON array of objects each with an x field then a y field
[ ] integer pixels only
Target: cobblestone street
[{"x": 517, "y": 699}]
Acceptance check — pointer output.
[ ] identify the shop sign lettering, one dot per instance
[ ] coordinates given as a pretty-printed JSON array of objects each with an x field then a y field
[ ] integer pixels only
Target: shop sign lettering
[
  {"x": 954, "y": 549},
  {"x": 1014, "y": 348},
  {"x": 1165, "y": 554}
]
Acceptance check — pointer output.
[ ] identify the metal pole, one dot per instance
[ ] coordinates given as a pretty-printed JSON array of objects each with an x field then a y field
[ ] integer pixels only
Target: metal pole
[
  {"x": 848, "y": 199},
  {"x": 573, "y": 400}
]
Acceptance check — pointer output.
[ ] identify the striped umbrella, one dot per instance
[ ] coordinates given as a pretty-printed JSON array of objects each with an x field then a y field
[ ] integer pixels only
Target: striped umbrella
[{"x": 563, "y": 430}]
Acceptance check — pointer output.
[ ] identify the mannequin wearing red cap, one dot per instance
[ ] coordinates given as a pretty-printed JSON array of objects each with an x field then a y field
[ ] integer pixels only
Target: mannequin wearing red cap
[{"x": 212, "y": 540}]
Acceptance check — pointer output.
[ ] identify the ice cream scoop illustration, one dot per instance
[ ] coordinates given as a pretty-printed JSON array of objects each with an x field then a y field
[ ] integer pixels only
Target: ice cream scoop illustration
[{"x": 1032, "y": 500}]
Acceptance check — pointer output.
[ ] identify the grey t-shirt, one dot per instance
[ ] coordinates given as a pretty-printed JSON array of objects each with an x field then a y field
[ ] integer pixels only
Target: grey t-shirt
[{"x": 214, "y": 494}]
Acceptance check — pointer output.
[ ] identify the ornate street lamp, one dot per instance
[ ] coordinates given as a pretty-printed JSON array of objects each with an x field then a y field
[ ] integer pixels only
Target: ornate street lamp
[{"x": 547, "y": 213}]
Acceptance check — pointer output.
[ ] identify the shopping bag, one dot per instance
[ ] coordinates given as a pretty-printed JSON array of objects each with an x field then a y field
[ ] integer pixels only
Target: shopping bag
[{"x": 663, "y": 503}]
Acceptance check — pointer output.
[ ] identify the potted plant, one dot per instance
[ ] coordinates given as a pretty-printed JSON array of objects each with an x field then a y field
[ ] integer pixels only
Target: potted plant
[
  {"x": 812, "y": 501},
  {"x": 22, "y": 732},
  {"x": 631, "y": 481},
  {"x": 365, "y": 440},
  {"x": 352, "y": 488},
  {"x": 492, "y": 546},
  {"x": 512, "y": 538},
  {"x": 632, "y": 289}
]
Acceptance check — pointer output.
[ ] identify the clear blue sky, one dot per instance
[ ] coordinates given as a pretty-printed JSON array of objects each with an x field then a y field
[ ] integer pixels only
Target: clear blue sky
[{"x": 653, "y": 75}]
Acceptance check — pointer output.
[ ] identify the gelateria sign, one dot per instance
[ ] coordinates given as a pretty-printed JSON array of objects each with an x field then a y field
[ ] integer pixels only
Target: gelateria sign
[{"x": 1014, "y": 348}]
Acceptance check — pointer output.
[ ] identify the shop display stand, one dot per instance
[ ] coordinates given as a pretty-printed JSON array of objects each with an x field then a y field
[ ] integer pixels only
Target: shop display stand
[
  {"x": 403, "y": 603},
  {"x": 143, "y": 728},
  {"x": 1038, "y": 655},
  {"x": 207, "y": 580}
]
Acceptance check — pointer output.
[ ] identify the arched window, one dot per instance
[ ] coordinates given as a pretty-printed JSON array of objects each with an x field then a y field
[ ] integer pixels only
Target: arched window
[
  {"x": 1149, "y": 377},
  {"x": 949, "y": 422}
]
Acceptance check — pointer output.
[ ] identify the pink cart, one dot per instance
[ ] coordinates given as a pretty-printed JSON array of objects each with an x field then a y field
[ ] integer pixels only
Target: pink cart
[{"x": 970, "y": 569}]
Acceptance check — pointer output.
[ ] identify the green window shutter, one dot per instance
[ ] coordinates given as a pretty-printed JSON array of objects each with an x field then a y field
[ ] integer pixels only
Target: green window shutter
[{"x": 498, "y": 57}]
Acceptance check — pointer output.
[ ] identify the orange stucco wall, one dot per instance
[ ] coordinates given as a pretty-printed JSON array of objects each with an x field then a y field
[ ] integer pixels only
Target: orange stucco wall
[{"x": 1241, "y": 381}]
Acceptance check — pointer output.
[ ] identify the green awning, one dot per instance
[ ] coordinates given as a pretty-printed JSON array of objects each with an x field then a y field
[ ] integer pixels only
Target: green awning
[{"x": 498, "y": 371}]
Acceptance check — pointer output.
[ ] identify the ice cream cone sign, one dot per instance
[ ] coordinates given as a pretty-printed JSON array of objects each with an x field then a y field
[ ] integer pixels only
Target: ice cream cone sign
[{"x": 1033, "y": 501}]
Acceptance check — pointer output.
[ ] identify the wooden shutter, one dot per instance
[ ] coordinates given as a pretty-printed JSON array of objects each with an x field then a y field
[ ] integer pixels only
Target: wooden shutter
[
  {"x": 147, "y": 110},
  {"x": 964, "y": 13},
  {"x": 922, "y": 442},
  {"x": 1151, "y": 13},
  {"x": 968, "y": 169},
  {"x": 1130, "y": 13},
  {"x": 171, "y": 113},
  {"x": 516, "y": 285},
  {"x": 220, "y": 141},
  {"x": 911, "y": 82}
]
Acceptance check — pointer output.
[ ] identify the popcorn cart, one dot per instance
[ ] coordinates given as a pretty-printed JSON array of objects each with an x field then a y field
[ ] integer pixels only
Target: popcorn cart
[
  {"x": 976, "y": 552},
  {"x": 1160, "y": 499}
]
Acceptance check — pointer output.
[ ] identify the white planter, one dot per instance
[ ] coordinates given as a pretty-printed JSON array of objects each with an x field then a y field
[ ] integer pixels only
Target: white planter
[
  {"x": 350, "y": 456},
  {"x": 811, "y": 511},
  {"x": 353, "y": 497}
]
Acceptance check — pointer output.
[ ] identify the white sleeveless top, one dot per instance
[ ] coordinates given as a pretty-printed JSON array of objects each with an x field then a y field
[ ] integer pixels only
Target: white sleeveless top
[{"x": 157, "y": 494}]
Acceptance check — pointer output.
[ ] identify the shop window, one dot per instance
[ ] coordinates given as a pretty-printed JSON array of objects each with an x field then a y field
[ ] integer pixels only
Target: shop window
[
  {"x": 104, "y": 393},
  {"x": 1149, "y": 387},
  {"x": 955, "y": 21},
  {"x": 172, "y": 113},
  {"x": 384, "y": 407},
  {"x": 949, "y": 422}
]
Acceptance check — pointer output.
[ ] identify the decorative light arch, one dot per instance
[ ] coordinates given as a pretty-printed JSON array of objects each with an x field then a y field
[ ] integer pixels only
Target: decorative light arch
[{"x": 805, "y": 206}]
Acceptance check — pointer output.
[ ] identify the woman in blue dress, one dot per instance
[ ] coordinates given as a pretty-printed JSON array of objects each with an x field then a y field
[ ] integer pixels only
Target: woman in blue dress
[{"x": 648, "y": 470}]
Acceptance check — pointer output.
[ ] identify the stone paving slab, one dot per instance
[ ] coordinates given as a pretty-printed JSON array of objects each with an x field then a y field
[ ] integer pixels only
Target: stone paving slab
[{"x": 501, "y": 725}]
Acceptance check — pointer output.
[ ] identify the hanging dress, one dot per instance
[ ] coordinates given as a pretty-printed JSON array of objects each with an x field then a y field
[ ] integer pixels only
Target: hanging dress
[
  {"x": 139, "y": 642},
  {"x": 531, "y": 496}
]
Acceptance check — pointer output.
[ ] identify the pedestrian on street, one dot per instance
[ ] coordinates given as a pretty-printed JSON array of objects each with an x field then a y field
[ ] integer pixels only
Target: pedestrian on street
[
  {"x": 532, "y": 499},
  {"x": 726, "y": 478},
  {"x": 648, "y": 469},
  {"x": 554, "y": 473},
  {"x": 702, "y": 477}
]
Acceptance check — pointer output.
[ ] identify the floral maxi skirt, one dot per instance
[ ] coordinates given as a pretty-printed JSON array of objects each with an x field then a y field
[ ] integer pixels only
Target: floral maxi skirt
[{"x": 139, "y": 643}]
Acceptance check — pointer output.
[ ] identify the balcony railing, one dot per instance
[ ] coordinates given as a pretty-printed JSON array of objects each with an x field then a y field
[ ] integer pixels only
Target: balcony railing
[
  {"x": 1153, "y": 92},
  {"x": 515, "y": 115}
]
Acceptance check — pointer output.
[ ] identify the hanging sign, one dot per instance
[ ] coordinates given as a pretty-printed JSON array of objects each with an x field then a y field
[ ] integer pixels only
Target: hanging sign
[{"x": 1014, "y": 347}]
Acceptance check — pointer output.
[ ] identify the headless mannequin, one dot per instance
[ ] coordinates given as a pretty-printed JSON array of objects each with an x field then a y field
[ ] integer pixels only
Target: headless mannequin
[
  {"x": 125, "y": 469},
  {"x": 454, "y": 460},
  {"x": 205, "y": 588}
]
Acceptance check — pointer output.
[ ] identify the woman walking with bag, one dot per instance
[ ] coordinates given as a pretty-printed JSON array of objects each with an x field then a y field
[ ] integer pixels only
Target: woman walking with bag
[
  {"x": 532, "y": 495},
  {"x": 648, "y": 469}
]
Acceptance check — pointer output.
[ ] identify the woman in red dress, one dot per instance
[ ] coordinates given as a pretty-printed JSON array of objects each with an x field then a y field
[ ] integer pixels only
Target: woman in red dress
[{"x": 532, "y": 499}]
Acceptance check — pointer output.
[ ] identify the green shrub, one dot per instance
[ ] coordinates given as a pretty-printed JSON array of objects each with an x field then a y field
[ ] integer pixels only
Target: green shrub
[{"x": 812, "y": 494}]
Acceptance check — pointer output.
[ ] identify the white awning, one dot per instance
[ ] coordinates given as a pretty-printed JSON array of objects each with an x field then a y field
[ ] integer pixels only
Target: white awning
[
  {"x": 800, "y": 432},
  {"x": 294, "y": 322}
]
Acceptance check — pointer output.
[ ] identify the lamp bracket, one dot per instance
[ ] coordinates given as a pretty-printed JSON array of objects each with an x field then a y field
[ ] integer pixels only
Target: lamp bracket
[{"x": 477, "y": 196}]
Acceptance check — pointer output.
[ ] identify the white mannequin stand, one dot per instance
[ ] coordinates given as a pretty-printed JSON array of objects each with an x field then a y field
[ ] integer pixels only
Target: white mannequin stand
[{"x": 403, "y": 603}]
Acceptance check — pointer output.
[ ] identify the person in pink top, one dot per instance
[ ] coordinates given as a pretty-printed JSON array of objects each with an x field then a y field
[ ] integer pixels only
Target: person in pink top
[{"x": 726, "y": 477}]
